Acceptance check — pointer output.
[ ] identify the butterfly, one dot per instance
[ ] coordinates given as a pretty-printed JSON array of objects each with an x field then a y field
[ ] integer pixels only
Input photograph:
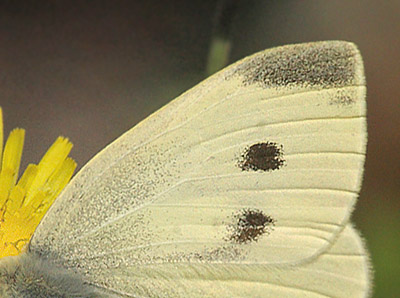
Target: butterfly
[{"x": 242, "y": 186}]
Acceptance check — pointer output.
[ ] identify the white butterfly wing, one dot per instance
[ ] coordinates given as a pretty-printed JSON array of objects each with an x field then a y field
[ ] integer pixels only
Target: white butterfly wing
[
  {"x": 259, "y": 164},
  {"x": 342, "y": 271}
]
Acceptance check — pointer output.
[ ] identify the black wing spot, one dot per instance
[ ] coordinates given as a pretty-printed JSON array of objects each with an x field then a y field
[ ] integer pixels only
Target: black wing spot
[
  {"x": 249, "y": 225},
  {"x": 266, "y": 156}
]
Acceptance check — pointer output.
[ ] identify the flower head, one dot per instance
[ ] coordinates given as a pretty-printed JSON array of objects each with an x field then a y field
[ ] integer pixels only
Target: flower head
[{"x": 24, "y": 201}]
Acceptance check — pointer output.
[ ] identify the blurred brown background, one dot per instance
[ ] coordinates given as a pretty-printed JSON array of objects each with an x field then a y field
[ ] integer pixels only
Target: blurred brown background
[{"x": 90, "y": 70}]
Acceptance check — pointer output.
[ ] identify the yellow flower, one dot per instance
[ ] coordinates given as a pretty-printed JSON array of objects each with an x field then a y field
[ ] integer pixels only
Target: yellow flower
[{"x": 24, "y": 202}]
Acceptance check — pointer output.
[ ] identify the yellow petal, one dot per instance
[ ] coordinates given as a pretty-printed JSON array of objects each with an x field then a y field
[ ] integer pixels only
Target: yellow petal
[
  {"x": 16, "y": 199},
  {"x": 50, "y": 163},
  {"x": 23, "y": 204},
  {"x": 6, "y": 184},
  {"x": 13, "y": 151},
  {"x": 27, "y": 178},
  {"x": 60, "y": 178},
  {"x": 1, "y": 134}
]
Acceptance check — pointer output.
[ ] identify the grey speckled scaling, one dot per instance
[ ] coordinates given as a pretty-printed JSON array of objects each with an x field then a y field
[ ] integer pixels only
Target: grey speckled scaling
[{"x": 327, "y": 64}]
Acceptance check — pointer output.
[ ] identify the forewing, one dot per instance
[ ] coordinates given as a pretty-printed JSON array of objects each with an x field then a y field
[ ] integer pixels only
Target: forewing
[{"x": 259, "y": 164}]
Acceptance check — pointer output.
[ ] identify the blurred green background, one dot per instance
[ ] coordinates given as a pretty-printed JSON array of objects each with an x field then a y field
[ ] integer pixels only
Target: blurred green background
[{"x": 90, "y": 70}]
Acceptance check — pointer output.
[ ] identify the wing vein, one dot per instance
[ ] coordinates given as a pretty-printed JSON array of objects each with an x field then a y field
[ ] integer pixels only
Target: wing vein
[
  {"x": 123, "y": 215},
  {"x": 292, "y": 122}
]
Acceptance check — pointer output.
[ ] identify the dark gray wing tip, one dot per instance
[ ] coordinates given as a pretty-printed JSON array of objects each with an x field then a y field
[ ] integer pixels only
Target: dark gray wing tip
[{"x": 325, "y": 64}]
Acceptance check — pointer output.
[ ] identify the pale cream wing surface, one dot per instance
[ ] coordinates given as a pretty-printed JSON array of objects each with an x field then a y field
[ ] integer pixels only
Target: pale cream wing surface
[
  {"x": 342, "y": 271},
  {"x": 259, "y": 164}
]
